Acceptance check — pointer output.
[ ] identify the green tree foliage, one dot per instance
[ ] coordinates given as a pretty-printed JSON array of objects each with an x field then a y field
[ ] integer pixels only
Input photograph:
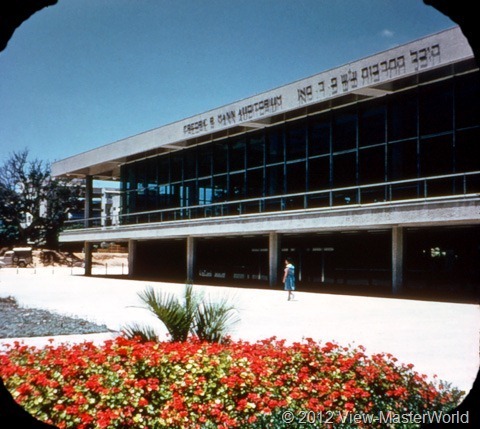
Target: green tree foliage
[{"x": 33, "y": 205}]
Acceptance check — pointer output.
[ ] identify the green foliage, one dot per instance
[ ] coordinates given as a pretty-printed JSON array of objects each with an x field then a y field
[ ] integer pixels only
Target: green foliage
[
  {"x": 33, "y": 206},
  {"x": 209, "y": 321},
  {"x": 214, "y": 319},
  {"x": 176, "y": 316},
  {"x": 141, "y": 332}
]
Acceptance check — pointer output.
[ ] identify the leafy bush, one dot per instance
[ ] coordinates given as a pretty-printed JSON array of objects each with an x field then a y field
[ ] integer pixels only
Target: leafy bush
[
  {"x": 204, "y": 319},
  {"x": 132, "y": 384}
]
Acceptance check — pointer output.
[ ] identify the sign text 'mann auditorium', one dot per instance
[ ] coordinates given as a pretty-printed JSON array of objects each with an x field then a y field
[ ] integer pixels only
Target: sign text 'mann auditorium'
[{"x": 234, "y": 116}]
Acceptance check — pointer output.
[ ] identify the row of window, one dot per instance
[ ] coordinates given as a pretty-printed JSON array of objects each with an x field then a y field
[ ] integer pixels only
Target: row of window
[{"x": 422, "y": 132}]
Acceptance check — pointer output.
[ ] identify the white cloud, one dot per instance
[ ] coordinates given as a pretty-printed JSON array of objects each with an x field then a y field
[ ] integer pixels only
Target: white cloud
[{"x": 387, "y": 33}]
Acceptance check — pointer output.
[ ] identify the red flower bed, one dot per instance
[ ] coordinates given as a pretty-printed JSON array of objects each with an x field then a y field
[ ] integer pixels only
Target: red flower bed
[{"x": 130, "y": 384}]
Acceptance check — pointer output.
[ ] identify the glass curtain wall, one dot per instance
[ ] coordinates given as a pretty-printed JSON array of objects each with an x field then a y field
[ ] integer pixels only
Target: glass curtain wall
[{"x": 366, "y": 153}]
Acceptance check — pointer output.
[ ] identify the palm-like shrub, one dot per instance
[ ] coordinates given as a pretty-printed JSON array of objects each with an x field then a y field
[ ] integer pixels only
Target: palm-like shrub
[
  {"x": 143, "y": 333},
  {"x": 209, "y": 321},
  {"x": 214, "y": 319},
  {"x": 175, "y": 315}
]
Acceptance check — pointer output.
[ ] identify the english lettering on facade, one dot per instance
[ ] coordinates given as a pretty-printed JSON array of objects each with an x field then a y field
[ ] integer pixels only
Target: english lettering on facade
[
  {"x": 227, "y": 118},
  {"x": 254, "y": 110},
  {"x": 196, "y": 127}
]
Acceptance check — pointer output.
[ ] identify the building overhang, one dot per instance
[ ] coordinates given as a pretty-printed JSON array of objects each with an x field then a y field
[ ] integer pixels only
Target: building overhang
[{"x": 431, "y": 58}]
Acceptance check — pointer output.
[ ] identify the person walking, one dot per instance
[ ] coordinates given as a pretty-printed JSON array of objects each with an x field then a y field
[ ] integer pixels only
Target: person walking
[{"x": 289, "y": 278}]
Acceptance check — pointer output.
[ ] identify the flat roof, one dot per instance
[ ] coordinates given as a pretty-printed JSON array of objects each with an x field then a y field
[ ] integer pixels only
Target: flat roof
[{"x": 373, "y": 76}]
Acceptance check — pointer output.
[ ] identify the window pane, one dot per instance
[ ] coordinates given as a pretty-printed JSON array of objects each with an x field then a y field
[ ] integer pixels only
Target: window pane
[
  {"x": 402, "y": 122},
  {"x": 190, "y": 164},
  {"x": 345, "y": 131},
  {"x": 467, "y": 106},
  {"x": 402, "y": 160},
  {"x": 220, "y": 189},
  {"x": 256, "y": 149},
  {"x": 152, "y": 178},
  {"x": 371, "y": 164},
  {"x": 205, "y": 156},
  {"x": 344, "y": 170},
  {"x": 176, "y": 166},
  {"x": 237, "y": 186},
  {"x": 187, "y": 194},
  {"x": 275, "y": 178},
  {"x": 436, "y": 156},
  {"x": 205, "y": 192},
  {"x": 296, "y": 140},
  {"x": 164, "y": 200},
  {"x": 128, "y": 176},
  {"x": 319, "y": 173},
  {"x": 163, "y": 169},
  {"x": 275, "y": 145},
  {"x": 319, "y": 140},
  {"x": 296, "y": 177},
  {"x": 372, "y": 126},
  {"x": 467, "y": 151},
  {"x": 255, "y": 183},
  {"x": 436, "y": 108},
  {"x": 237, "y": 154},
  {"x": 140, "y": 174},
  {"x": 220, "y": 157}
]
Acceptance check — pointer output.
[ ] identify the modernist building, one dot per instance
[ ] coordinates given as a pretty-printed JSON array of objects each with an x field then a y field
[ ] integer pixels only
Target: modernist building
[{"x": 366, "y": 174}]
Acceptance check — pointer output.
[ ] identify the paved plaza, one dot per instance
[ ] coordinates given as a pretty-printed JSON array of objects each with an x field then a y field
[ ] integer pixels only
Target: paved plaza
[{"x": 438, "y": 338}]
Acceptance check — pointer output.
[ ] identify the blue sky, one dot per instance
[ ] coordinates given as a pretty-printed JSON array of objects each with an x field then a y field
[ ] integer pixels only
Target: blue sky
[{"x": 82, "y": 74}]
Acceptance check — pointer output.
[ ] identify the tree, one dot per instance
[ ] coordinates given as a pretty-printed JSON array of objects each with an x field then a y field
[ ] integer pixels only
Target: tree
[{"x": 33, "y": 205}]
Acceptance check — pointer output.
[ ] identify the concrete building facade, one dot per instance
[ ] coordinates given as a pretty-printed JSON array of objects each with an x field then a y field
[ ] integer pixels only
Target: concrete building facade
[{"x": 367, "y": 175}]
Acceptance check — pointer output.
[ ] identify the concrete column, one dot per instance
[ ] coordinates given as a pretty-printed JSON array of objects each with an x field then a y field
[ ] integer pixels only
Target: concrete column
[
  {"x": 132, "y": 250},
  {"x": 191, "y": 257},
  {"x": 88, "y": 200},
  {"x": 88, "y": 247},
  {"x": 273, "y": 257},
  {"x": 397, "y": 260}
]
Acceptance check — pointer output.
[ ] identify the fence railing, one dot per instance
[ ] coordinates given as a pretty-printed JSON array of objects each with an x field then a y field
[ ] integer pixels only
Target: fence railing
[{"x": 425, "y": 188}]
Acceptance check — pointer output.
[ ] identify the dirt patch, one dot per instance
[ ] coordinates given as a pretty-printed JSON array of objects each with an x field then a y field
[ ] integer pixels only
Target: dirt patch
[{"x": 48, "y": 258}]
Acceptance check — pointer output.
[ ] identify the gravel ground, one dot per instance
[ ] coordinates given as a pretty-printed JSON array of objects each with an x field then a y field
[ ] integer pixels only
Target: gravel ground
[{"x": 19, "y": 322}]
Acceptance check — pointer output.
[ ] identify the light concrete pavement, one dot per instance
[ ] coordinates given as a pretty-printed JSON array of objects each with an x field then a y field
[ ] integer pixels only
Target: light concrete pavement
[{"x": 440, "y": 339}]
